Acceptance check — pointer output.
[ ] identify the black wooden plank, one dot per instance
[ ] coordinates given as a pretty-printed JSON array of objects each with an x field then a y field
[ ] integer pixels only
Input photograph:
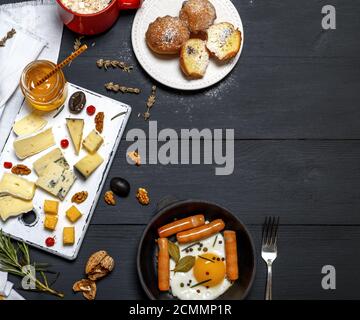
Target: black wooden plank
[
  {"x": 263, "y": 98},
  {"x": 293, "y": 28},
  {"x": 293, "y": 81},
  {"x": 297, "y": 271},
  {"x": 305, "y": 182},
  {"x": 274, "y": 28}
]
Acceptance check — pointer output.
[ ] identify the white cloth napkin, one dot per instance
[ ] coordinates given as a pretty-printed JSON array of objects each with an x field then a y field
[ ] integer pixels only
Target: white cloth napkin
[
  {"x": 3, "y": 282},
  {"x": 6, "y": 288},
  {"x": 41, "y": 19},
  {"x": 20, "y": 50}
]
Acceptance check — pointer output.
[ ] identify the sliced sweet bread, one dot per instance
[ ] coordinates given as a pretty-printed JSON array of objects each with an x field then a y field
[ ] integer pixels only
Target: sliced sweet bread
[
  {"x": 194, "y": 58},
  {"x": 223, "y": 40}
]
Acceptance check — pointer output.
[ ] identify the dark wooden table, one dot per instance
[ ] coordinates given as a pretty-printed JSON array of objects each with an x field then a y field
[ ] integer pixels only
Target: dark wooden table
[{"x": 294, "y": 102}]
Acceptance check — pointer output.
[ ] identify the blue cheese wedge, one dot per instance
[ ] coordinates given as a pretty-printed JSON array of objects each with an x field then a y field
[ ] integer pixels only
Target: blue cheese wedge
[
  {"x": 12, "y": 207},
  {"x": 29, "y": 124},
  {"x": 87, "y": 165},
  {"x": 93, "y": 142},
  {"x": 56, "y": 180},
  {"x": 16, "y": 186},
  {"x": 26, "y": 147},
  {"x": 54, "y": 156}
]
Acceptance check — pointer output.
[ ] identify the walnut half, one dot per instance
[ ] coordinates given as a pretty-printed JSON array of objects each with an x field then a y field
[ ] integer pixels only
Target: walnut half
[
  {"x": 143, "y": 196},
  {"x": 109, "y": 198},
  {"x": 135, "y": 157},
  {"x": 87, "y": 287},
  {"x": 99, "y": 265},
  {"x": 79, "y": 197},
  {"x": 21, "y": 169}
]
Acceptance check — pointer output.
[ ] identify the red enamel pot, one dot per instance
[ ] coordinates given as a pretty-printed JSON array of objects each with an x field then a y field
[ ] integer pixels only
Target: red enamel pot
[{"x": 90, "y": 24}]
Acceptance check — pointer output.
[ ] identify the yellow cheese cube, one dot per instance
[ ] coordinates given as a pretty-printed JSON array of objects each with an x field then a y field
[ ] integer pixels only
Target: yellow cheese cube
[
  {"x": 73, "y": 214},
  {"x": 93, "y": 142},
  {"x": 50, "y": 222},
  {"x": 69, "y": 235},
  {"x": 51, "y": 207}
]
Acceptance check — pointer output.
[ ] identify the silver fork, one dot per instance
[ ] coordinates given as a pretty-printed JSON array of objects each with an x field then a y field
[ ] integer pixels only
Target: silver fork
[{"x": 269, "y": 249}]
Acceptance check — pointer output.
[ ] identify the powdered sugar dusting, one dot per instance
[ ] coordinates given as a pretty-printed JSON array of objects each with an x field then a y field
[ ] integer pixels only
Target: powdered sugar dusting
[{"x": 222, "y": 89}]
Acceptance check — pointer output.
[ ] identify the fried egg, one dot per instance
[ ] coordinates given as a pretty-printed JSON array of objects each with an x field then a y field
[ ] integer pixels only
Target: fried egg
[{"x": 207, "y": 279}]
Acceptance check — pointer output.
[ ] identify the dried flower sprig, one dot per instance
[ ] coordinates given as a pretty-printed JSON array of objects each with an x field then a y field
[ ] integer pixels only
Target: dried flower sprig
[
  {"x": 101, "y": 63},
  {"x": 77, "y": 43},
  {"x": 8, "y": 36},
  {"x": 117, "y": 87},
  {"x": 150, "y": 102},
  {"x": 14, "y": 258}
]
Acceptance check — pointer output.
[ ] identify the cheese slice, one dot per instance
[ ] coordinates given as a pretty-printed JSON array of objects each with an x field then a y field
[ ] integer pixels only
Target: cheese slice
[
  {"x": 11, "y": 207},
  {"x": 16, "y": 186},
  {"x": 29, "y": 124},
  {"x": 87, "y": 165},
  {"x": 93, "y": 142},
  {"x": 29, "y": 146},
  {"x": 54, "y": 156},
  {"x": 56, "y": 180},
  {"x": 75, "y": 127}
]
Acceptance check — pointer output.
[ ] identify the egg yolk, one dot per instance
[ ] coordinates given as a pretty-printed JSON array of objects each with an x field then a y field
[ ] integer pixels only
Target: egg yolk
[{"x": 209, "y": 266}]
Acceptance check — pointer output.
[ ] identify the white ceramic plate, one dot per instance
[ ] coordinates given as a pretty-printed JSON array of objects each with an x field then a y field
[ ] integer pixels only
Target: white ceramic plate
[
  {"x": 35, "y": 234},
  {"x": 166, "y": 69}
]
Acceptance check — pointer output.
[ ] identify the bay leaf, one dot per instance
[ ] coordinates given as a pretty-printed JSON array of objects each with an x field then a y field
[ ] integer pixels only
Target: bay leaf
[
  {"x": 185, "y": 264},
  {"x": 174, "y": 251}
]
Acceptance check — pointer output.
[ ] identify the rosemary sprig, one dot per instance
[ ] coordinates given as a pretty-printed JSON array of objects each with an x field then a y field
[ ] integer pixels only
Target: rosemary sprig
[
  {"x": 215, "y": 240},
  {"x": 204, "y": 258},
  {"x": 200, "y": 283},
  {"x": 190, "y": 246},
  {"x": 59, "y": 111},
  {"x": 13, "y": 258},
  {"x": 118, "y": 115}
]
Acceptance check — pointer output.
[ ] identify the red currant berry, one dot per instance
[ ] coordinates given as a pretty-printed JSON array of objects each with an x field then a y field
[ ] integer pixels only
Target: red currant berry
[
  {"x": 50, "y": 241},
  {"x": 64, "y": 143},
  {"x": 8, "y": 165},
  {"x": 90, "y": 110}
]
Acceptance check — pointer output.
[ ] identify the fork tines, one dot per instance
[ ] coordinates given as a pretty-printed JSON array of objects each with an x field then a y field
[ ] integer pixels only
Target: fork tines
[{"x": 269, "y": 231}]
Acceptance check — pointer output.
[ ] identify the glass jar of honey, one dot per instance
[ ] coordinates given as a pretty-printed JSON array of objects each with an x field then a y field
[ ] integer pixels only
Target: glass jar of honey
[{"x": 47, "y": 96}]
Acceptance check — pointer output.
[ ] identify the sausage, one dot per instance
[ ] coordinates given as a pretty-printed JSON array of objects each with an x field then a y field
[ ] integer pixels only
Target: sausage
[
  {"x": 201, "y": 232},
  {"x": 232, "y": 271},
  {"x": 181, "y": 225},
  {"x": 163, "y": 265}
]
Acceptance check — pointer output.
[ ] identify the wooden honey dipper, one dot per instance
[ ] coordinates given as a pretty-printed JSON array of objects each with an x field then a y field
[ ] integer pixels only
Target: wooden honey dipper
[{"x": 62, "y": 64}]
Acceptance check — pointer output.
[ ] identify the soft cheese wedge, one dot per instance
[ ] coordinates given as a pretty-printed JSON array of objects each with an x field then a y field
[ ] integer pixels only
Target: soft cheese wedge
[
  {"x": 29, "y": 146},
  {"x": 56, "y": 180},
  {"x": 93, "y": 142},
  {"x": 87, "y": 165},
  {"x": 54, "y": 156},
  {"x": 75, "y": 127},
  {"x": 29, "y": 124},
  {"x": 16, "y": 186},
  {"x": 11, "y": 207}
]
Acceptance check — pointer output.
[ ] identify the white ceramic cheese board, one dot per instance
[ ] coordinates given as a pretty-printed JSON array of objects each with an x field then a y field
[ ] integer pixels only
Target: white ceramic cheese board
[{"x": 34, "y": 233}]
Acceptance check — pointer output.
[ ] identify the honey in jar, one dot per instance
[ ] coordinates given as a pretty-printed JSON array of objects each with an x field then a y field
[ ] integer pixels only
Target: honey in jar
[{"x": 50, "y": 94}]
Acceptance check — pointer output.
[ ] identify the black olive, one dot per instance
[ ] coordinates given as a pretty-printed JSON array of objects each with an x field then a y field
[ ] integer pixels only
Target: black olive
[
  {"x": 120, "y": 186},
  {"x": 77, "y": 102}
]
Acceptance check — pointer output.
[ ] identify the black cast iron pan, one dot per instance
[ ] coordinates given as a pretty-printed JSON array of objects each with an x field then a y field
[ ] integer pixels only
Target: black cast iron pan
[{"x": 167, "y": 211}]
